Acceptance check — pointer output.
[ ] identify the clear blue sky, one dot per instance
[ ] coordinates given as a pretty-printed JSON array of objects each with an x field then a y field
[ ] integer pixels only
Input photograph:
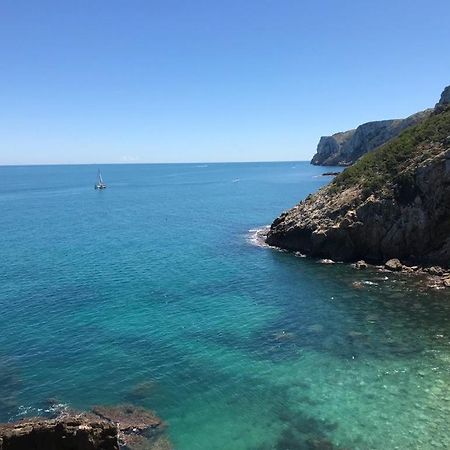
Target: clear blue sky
[{"x": 95, "y": 81}]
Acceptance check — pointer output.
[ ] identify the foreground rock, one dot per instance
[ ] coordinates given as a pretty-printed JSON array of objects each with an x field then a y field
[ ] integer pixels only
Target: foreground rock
[
  {"x": 394, "y": 264},
  {"x": 106, "y": 428},
  {"x": 392, "y": 203},
  {"x": 343, "y": 149},
  {"x": 71, "y": 433}
]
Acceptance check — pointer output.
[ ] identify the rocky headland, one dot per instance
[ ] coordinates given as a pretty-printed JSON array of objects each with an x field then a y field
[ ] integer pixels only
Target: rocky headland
[
  {"x": 344, "y": 148},
  {"x": 394, "y": 202}
]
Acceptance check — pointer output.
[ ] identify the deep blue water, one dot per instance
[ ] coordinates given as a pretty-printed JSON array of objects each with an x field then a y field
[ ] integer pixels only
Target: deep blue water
[{"x": 152, "y": 292}]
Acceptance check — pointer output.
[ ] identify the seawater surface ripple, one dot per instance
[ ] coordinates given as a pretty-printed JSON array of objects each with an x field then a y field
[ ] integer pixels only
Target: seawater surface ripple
[{"x": 152, "y": 292}]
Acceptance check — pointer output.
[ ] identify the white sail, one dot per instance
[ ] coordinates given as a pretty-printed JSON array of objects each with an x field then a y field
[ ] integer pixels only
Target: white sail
[{"x": 100, "y": 183}]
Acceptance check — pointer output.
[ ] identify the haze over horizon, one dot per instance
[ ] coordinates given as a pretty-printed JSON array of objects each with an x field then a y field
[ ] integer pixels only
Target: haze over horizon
[{"x": 173, "y": 81}]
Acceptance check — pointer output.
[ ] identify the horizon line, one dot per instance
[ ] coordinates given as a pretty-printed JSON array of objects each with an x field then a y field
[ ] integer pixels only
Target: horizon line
[{"x": 149, "y": 163}]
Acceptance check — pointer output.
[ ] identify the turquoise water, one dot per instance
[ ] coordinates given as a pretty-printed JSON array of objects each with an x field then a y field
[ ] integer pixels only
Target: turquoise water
[{"x": 152, "y": 292}]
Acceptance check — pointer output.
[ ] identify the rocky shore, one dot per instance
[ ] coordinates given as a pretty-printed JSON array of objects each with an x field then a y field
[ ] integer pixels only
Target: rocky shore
[
  {"x": 104, "y": 428},
  {"x": 392, "y": 203},
  {"x": 435, "y": 276}
]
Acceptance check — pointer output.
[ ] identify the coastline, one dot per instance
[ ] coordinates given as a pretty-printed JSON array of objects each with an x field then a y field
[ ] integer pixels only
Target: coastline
[
  {"x": 389, "y": 208},
  {"x": 434, "y": 277}
]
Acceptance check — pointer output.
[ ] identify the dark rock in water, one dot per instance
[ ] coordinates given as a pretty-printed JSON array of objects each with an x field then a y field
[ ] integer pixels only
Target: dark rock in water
[
  {"x": 330, "y": 174},
  {"x": 392, "y": 203},
  {"x": 81, "y": 432},
  {"x": 106, "y": 428},
  {"x": 394, "y": 264}
]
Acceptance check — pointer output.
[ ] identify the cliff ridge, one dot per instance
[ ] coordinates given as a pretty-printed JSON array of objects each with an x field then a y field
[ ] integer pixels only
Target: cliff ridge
[{"x": 344, "y": 148}]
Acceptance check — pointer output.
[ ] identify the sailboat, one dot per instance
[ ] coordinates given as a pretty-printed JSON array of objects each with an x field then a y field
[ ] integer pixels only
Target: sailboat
[{"x": 100, "y": 183}]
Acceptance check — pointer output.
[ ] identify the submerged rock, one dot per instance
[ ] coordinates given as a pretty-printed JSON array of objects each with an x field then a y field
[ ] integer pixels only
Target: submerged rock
[
  {"x": 138, "y": 427},
  {"x": 129, "y": 418},
  {"x": 142, "y": 390},
  {"x": 137, "y": 442}
]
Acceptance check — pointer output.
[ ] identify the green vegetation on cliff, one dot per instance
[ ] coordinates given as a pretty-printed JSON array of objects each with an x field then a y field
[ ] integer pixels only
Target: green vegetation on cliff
[
  {"x": 392, "y": 165},
  {"x": 392, "y": 203}
]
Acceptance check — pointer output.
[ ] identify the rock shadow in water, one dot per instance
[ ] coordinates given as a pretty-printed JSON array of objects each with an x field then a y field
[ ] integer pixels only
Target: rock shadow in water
[
  {"x": 10, "y": 385},
  {"x": 302, "y": 432}
]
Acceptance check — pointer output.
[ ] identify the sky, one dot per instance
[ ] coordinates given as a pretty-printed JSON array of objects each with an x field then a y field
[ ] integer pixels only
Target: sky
[{"x": 130, "y": 81}]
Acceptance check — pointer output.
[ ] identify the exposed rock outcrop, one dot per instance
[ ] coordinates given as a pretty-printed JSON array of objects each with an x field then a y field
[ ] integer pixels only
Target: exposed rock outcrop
[
  {"x": 81, "y": 432},
  {"x": 444, "y": 100},
  {"x": 393, "y": 203},
  {"x": 105, "y": 428},
  {"x": 393, "y": 264},
  {"x": 345, "y": 148}
]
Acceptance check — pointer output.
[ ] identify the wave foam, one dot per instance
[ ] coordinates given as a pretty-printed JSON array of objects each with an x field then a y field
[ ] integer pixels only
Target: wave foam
[{"x": 257, "y": 236}]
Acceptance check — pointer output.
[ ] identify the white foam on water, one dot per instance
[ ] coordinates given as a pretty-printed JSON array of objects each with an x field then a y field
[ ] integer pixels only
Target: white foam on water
[
  {"x": 257, "y": 236},
  {"x": 31, "y": 411}
]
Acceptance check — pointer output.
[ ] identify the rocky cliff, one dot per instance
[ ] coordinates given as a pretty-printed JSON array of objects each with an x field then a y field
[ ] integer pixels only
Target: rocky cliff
[
  {"x": 392, "y": 203},
  {"x": 345, "y": 148}
]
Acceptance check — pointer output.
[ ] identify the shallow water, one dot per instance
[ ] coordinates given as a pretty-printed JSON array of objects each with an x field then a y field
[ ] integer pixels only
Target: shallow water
[{"x": 152, "y": 292}]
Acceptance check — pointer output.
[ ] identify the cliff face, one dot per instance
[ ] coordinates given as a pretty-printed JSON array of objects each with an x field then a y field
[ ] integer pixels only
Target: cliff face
[
  {"x": 345, "y": 148},
  {"x": 392, "y": 203}
]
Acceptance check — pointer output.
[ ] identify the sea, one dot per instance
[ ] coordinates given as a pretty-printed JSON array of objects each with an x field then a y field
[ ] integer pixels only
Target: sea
[{"x": 156, "y": 292}]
